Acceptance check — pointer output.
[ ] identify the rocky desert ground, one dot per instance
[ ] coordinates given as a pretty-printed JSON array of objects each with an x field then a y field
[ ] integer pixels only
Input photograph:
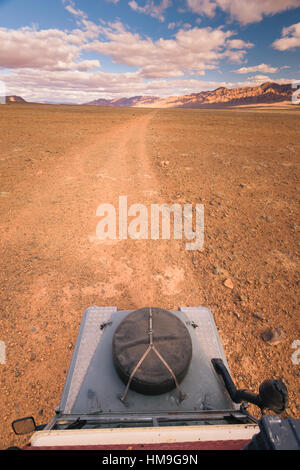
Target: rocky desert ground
[{"x": 59, "y": 163}]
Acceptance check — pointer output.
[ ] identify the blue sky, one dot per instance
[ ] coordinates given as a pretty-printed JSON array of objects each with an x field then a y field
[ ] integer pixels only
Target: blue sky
[{"x": 80, "y": 50}]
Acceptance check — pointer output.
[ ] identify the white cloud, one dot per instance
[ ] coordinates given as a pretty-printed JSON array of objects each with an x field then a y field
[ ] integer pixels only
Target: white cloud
[
  {"x": 244, "y": 11},
  {"x": 257, "y": 80},
  {"x": 81, "y": 87},
  {"x": 48, "y": 64},
  {"x": 150, "y": 8},
  {"x": 52, "y": 48},
  {"x": 71, "y": 8},
  {"x": 260, "y": 78},
  {"x": 177, "y": 24},
  {"x": 206, "y": 7},
  {"x": 239, "y": 44},
  {"x": 290, "y": 38},
  {"x": 191, "y": 51},
  {"x": 263, "y": 68}
]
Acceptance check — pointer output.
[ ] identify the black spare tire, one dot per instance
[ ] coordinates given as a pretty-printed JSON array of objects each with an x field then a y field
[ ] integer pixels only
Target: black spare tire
[{"x": 170, "y": 338}]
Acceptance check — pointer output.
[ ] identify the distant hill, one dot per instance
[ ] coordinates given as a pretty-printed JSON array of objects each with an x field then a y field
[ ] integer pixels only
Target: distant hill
[
  {"x": 135, "y": 101},
  {"x": 14, "y": 99},
  {"x": 221, "y": 97}
]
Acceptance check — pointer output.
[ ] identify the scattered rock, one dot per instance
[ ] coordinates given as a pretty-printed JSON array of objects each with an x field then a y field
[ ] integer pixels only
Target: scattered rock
[
  {"x": 218, "y": 270},
  {"x": 267, "y": 218},
  {"x": 237, "y": 315},
  {"x": 32, "y": 357},
  {"x": 272, "y": 336},
  {"x": 239, "y": 298},
  {"x": 258, "y": 316},
  {"x": 164, "y": 164},
  {"x": 228, "y": 283}
]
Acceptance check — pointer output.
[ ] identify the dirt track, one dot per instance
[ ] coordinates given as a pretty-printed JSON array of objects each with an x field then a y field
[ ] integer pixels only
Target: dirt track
[{"x": 58, "y": 163}]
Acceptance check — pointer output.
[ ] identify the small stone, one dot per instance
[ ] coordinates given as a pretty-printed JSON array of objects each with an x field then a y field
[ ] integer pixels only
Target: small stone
[
  {"x": 272, "y": 336},
  {"x": 239, "y": 298},
  {"x": 32, "y": 357},
  {"x": 237, "y": 315},
  {"x": 70, "y": 346},
  {"x": 217, "y": 270},
  {"x": 228, "y": 283},
  {"x": 267, "y": 218},
  {"x": 258, "y": 316}
]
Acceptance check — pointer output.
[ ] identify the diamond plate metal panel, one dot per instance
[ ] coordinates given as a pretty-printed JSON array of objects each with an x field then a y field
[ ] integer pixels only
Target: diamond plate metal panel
[
  {"x": 206, "y": 331},
  {"x": 88, "y": 338}
]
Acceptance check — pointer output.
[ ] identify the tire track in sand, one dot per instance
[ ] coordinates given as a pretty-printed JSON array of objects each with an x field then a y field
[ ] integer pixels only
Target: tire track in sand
[{"x": 139, "y": 272}]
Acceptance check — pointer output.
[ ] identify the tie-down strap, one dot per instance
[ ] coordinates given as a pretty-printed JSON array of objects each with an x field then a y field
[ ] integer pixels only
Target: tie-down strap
[{"x": 153, "y": 348}]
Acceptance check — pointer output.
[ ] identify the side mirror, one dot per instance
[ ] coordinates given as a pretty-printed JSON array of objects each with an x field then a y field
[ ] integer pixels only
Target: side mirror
[
  {"x": 24, "y": 426},
  {"x": 273, "y": 394}
]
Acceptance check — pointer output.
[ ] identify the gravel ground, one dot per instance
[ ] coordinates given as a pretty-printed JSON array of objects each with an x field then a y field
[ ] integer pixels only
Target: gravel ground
[{"x": 59, "y": 163}]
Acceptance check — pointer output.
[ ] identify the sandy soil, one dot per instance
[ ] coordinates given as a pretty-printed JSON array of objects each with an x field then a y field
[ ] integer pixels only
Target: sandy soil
[
  {"x": 287, "y": 105},
  {"x": 58, "y": 163}
]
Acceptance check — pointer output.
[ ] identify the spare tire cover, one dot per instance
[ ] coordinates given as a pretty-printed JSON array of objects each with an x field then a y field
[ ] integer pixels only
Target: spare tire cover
[{"x": 170, "y": 337}]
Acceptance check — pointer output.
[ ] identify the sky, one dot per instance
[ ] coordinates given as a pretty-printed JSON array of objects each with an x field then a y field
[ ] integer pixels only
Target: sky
[{"x": 75, "y": 51}]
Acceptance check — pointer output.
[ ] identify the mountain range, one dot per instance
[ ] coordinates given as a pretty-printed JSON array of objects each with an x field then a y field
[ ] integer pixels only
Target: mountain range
[
  {"x": 221, "y": 97},
  {"x": 267, "y": 93}
]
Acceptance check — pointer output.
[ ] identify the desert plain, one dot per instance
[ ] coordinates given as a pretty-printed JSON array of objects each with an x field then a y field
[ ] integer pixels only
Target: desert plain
[{"x": 59, "y": 163}]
